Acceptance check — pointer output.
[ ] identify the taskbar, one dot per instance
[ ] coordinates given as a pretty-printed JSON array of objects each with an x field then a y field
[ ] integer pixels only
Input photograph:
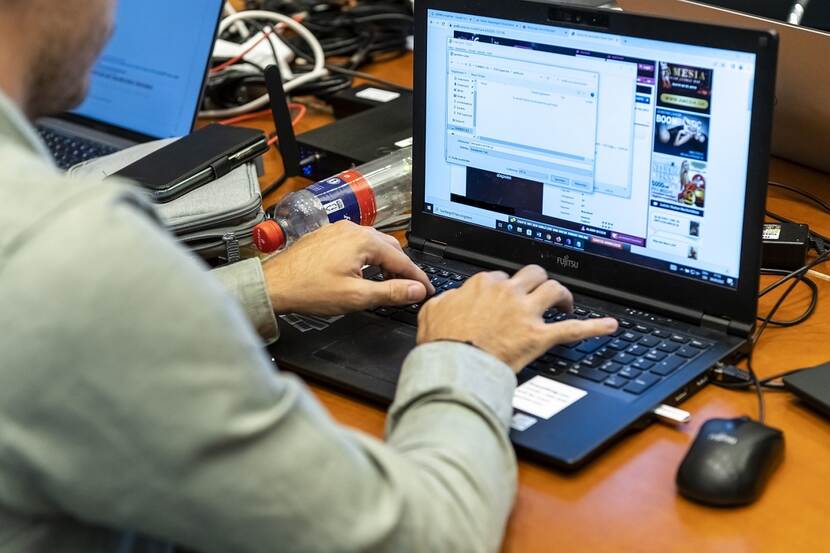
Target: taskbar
[{"x": 615, "y": 249}]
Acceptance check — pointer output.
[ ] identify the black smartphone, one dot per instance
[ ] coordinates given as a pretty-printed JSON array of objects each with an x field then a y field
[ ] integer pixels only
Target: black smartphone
[{"x": 194, "y": 160}]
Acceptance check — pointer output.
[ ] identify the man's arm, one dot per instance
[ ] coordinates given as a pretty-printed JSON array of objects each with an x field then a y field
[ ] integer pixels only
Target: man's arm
[
  {"x": 246, "y": 282},
  {"x": 145, "y": 402}
]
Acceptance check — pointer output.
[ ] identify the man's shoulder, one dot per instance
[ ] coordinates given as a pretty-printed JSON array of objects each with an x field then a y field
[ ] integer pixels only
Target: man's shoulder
[{"x": 33, "y": 192}]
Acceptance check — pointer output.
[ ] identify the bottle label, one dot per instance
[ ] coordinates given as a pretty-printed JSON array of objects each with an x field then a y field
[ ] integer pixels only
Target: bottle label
[{"x": 347, "y": 196}]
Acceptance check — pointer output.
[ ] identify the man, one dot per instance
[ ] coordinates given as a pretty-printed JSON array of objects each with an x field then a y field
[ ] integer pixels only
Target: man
[{"x": 137, "y": 408}]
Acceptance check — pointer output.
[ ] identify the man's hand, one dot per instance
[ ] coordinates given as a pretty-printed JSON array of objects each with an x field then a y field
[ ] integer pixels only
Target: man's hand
[
  {"x": 503, "y": 316},
  {"x": 321, "y": 274}
]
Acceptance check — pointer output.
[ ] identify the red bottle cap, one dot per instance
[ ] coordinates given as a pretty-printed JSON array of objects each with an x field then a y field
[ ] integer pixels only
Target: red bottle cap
[{"x": 268, "y": 236}]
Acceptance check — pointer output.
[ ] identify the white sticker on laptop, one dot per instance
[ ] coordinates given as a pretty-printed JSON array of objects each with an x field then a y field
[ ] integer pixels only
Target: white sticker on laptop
[{"x": 543, "y": 397}]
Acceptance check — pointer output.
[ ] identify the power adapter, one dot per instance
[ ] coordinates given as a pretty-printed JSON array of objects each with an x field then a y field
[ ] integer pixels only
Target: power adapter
[{"x": 784, "y": 246}]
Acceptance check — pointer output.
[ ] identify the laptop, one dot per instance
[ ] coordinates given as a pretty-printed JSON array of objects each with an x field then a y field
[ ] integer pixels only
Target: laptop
[
  {"x": 147, "y": 84},
  {"x": 625, "y": 154},
  {"x": 802, "y": 113}
]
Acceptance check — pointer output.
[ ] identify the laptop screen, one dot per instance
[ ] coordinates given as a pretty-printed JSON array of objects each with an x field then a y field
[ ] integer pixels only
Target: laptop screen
[
  {"x": 149, "y": 77},
  {"x": 626, "y": 148}
]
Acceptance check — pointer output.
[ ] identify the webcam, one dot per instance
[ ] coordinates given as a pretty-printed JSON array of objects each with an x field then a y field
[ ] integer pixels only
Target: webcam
[{"x": 576, "y": 16}]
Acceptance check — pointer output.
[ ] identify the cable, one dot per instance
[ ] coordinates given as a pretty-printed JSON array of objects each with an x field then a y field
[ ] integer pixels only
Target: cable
[
  {"x": 809, "y": 195},
  {"x": 808, "y": 312},
  {"x": 239, "y": 26},
  {"x": 282, "y": 178},
  {"x": 318, "y": 69},
  {"x": 351, "y": 72}
]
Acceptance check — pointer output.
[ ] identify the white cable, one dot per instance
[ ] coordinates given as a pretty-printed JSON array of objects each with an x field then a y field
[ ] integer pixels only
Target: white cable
[
  {"x": 240, "y": 26},
  {"x": 318, "y": 71}
]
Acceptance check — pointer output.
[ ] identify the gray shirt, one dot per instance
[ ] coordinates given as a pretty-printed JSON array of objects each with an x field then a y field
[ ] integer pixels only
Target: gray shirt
[{"x": 137, "y": 406}]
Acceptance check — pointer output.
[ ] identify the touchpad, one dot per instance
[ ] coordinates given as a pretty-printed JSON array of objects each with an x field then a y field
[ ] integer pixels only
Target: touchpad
[{"x": 377, "y": 351}]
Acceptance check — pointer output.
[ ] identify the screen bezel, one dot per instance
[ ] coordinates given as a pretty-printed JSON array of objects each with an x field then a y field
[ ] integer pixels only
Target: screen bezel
[
  {"x": 739, "y": 304},
  {"x": 133, "y": 135}
]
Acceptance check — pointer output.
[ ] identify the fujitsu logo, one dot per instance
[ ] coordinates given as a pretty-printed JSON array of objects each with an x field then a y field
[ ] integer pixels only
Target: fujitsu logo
[{"x": 567, "y": 262}]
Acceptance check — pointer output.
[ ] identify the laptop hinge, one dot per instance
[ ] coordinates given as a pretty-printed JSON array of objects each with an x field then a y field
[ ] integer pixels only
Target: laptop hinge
[
  {"x": 438, "y": 249},
  {"x": 716, "y": 323}
]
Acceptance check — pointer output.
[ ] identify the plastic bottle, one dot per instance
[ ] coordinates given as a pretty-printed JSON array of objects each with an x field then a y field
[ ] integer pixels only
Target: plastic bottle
[{"x": 368, "y": 195}]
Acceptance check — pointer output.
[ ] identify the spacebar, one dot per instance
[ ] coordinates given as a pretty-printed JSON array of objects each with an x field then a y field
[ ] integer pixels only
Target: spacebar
[{"x": 406, "y": 317}]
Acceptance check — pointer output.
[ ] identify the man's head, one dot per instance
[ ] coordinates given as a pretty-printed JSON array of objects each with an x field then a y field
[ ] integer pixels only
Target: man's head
[{"x": 50, "y": 47}]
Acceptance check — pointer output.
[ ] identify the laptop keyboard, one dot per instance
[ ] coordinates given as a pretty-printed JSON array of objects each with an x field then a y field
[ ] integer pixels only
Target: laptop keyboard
[
  {"x": 72, "y": 150},
  {"x": 633, "y": 359}
]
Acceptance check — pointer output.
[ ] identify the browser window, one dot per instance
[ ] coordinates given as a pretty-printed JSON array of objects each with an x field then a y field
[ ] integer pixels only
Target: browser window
[{"x": 617, "y": 146}]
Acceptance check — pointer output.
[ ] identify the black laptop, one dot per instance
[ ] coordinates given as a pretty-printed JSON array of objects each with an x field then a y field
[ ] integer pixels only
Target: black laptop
[
  {"x": 147, "y": 84},
  {"x": 625, "y": 154}
]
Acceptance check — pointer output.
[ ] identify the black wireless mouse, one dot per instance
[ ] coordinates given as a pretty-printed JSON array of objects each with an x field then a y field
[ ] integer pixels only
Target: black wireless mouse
[{"x": 730, "y": 461}]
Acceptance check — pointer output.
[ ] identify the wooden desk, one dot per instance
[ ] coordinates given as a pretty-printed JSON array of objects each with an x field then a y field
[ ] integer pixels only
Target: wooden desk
[{"x": 625, "y": 501}]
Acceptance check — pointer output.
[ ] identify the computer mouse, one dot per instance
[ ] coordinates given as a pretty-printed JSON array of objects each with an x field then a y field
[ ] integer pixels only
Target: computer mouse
[{"x": 730, "y": 461}]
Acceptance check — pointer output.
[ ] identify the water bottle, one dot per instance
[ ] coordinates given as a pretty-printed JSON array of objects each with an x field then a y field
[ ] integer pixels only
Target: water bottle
[{"x": 367, "y": 195}]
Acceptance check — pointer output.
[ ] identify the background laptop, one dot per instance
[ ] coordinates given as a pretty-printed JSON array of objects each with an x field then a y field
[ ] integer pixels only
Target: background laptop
[
  {"x": 802, "y": 112},
  {"x": 147, "y": 84},
  {"x": 625, "y": 154}
]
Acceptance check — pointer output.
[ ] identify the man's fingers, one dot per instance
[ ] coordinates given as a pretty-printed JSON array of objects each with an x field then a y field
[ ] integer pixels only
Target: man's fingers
[
  {"x": 391, "y": 240},
  {"x": 529, "y": 278},
  {"x": 552, "y": 294},
  {"x": 574, "y": 330},
  {"x": 369, "y": 293},
  {"x": 393, "y": 261}
]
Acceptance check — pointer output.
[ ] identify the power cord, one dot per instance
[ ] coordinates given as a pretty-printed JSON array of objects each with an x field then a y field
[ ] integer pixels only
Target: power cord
[{"x": 292, "y": 81}]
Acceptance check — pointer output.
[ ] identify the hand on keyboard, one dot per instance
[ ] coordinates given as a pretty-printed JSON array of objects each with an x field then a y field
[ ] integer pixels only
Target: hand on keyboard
[
  {"x": 321, "y": 274},
  {"x": 504, "y": 316}
]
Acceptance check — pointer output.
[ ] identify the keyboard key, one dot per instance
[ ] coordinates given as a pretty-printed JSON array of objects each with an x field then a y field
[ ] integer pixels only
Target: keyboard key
[
  {"x": 630, "y": 372},
  {"x": 642, "y": 364},
  {"x": 414, "y": 308},
  {"x": 662, "y": 333},
  {"x": 687, "y": 352},
  {"x": 655, "y": 355},
  {"x": 610, "y": 367},
  {"x": 593, "y": 361},
  {"x": 567, "y": 354},
  {"x": 595, "y": 315},
  {"x": 384, "y": 311},
  {"x": 642, "y": 383},
  {"x": 626, "y": 324},
  {"x": 679, "y": 338},
  {"x": 457, "y": 278},
  {"x": 437, "y": 281},
  {"x": 616, "y": 381},
  {"x": 668, "y": 366},
  {"x": 406, "y": 317},
  {"x": 587, "y": 372},
  {"x": 643, "y": 328},
  {"x": 605, "y": 353},
  {"x": 618, "y": 345},
  {"x": 649, "y": 341},
  {"x": 444, "y": 274},
  {"x": 700, "y": 344},
  {"x": 580, "y": 311},
  {"x": 637, "y": 350},
  {"x": 669, "y": 347},
  {"x": 624, "y": 358},
  {"x": 630, "y": 336},
  {"x": 593, "y": 344}
]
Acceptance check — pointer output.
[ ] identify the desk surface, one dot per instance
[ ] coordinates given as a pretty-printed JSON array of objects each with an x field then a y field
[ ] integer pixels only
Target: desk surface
[{"x": 626, "y": 500}]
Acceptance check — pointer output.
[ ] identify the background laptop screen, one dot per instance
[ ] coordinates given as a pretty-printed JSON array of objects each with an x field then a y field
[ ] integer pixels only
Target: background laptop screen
[
  {"x": 149, "y": 77},
  {"x": 622, "y": 147}
]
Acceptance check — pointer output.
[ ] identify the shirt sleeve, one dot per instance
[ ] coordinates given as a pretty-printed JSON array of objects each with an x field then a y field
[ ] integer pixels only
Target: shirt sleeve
[
  {"x": 246, "y": 282},
  {"x": 145, "y": 401}
]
